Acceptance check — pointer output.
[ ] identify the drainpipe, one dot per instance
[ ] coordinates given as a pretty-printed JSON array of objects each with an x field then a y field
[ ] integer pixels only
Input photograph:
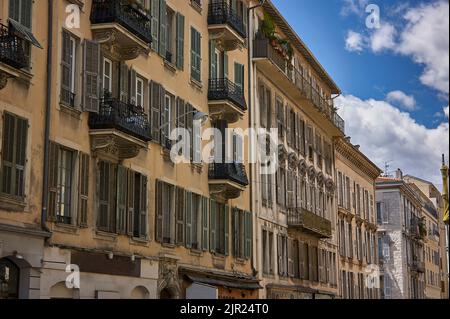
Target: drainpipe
[{"x": 47, "y": 117}]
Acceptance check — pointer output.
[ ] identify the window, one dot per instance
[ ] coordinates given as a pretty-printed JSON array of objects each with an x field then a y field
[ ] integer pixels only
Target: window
[
  {"x": 196, "y": 55},
  {"x": 280, "y": 117},
  {"x": 194, "y": 222},
  {"x": 239, "y": 76},
  {"x": 14, "y": 146},
  {"x": 139, "y": 92},
  {"x": 20, "y": 11},
  {"x": 165, "y": 212},
  {"x": 282, "y": 247},
  {"x": 170, "y": 35},
  {"x": 281, "y": 187},
  {"x": 219, "y": 228},
  {"x": 387, "y": 287},
  {"x": 265, "y": 105},
  {"x": 65, "y": 176},
  {"x": 122, "y": 201},
  {"x": 107, "y": 76},
  {"x": 242, "y": 234},
  {"x": 267, "y": 248},
  {"x": 68, "y": 69}
]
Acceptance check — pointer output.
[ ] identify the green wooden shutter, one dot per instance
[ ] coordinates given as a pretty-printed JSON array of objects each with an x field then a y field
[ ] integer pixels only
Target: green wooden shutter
[
  {"x": 162, "y": 28},
  {"x": 180, "y": 41},
  {"x": 131, "y": 200},
  {"x": 164, "y": 118},
  {"x": 155, "y": 24},
  {"x": 212, "y": 60},
  {"x": 143, "y": 207},
  {"x": 66, "y": 69},
  {"x": 155, "y": 111},
  {"x": 159, "y": 211},
  {"x": 248, "y": 235},
  {"x": 121, "y": 210},
  {"x": 227, "y": 230},
  {"x": 205, "y": 224},
  {"x": 189, "y": 213},
  {"x": 52, "y": 182},
  {"x": 195, "y": 55},
  {"x": 91, "y": 76},
  {"x": 213, "y": 227},
  {"x": 83, "y": 185},
  {"x": 236, "y": 231},
  {"x": 180, "y": 203}
]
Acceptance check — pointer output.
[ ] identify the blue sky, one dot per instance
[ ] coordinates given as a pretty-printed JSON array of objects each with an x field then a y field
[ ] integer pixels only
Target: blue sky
[{"x": 394, "y": 78}]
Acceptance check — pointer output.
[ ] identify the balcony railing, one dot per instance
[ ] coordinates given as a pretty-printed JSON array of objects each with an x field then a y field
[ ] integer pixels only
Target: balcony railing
[
  {"x": 224, "y": 89},
  {"x": 263, "y": 49},
  {"x": 123, "y": 13},
  {"x": 127, "y": 118},
  {"x": 234, "y": 172},
  {"x": 12, "y": 50},
  {"x": 418, "y": 266},
  {"x": 310, "y": 222},
  {"x": 220, "y": 12}
]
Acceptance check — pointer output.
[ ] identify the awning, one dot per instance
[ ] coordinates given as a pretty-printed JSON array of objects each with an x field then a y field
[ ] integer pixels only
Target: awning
[
  {"x": 24, "y": 32},
  {"x": 223, "y": 282}
]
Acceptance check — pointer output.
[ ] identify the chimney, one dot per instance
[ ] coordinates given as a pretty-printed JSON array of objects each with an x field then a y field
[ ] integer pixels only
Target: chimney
[{"x": 399, "y": 174}]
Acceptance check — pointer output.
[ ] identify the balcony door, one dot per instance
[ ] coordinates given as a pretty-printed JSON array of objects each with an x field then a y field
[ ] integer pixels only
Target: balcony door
[{"x": 107, "y": 76}]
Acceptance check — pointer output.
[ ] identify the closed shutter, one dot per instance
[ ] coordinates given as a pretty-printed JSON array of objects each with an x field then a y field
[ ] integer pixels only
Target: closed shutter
[
  {"x": 189, "y": 212},
  {"x": 159, "y": 211},
  {"x": 321, "y": 278},
  {"x": 280, "y": 255},
  {"x": 26, "y": 11},
  {"x": 143, "y": 207},
  {"x": 212, "y": 60},
  {"x": 180, "y": 216},
  {"x": 248, "y": 235},
  {"x": 290, "y": 257},
  {"x": 227, "y": 230},
  {"x": 190, "y": 128},
  {"x": 155, "y": 24},
  {"x": 236, "y": 232},
  {"x": 213, "y": 226},
  {"x": 91, "y": 76},
  {"x": 52, "y": 182},
  {"x": 205, "y": 224},
  {"x": 195, "y": 55},
  {"x": 66, "y": 69},
  {"x": 239, "y": 76},
  {"x": 131, "y": 202},
  {"x": 164, "y": 113},
  {"x": 14, "y": 10},
  {"x": 162, "y": 28},
  {"x": 122, "y": 185},
  {"x": 83, "y": 190},
  {"x": 124, "y": 82},
  {"x": 155, "y": 111},
  {"x": 180, "y": 41}
]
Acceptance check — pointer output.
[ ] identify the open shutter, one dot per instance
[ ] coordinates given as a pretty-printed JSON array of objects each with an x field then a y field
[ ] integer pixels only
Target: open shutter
[
  {"x": 91, "y": 76},
  {"x": 122, "y": 185},
  {"x": 227, "y": 230},
  {"x": 189, "y": 213},
  {"x": 180, "y": 215},
  {"x": 83, "y": 187},
  {"x": 155, "y": 24},
  {"x": 66, "y": 69},
  {"x": 164, "y": 121},
  {"x": 180, "y": 41},
  {"x": 213, "y": 226},
  {"x": 52, "y": 181},
  {"x": 155, "y": 111},
  {"x": 131, "y": 193},
  {"x": 159, "y": 211},
  {"x": 162, "y": 28},
  {"x": 143, "y": 207},
  {"x": 205, "y": 224}
]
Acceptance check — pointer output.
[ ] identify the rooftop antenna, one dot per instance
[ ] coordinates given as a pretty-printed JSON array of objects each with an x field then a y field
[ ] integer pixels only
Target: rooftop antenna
[{"x": 387, "y": 166}]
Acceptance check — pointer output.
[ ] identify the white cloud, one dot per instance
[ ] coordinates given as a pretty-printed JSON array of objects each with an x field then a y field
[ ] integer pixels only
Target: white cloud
[
  {"x": 354, "y": 42},
  {"x": 357, "y": 7},
  {"x": 383, "y": 38},
  {"x": 406, "y": 101},
  {"x": 387, "y": 134}
]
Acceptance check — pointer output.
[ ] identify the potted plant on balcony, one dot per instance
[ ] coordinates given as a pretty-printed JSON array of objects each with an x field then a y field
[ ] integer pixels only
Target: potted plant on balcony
[
  {"x": 422, "y": 228},
  {"x": 268, "y": 28}
]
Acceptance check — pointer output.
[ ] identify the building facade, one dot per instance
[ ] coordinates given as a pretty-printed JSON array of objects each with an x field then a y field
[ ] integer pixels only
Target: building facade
[
  {"x": 401, "y": 236},
  {"x": 295, "y": 234},
  {"x": 436, "y": 258},
  {"x": 356, "y": 224}
]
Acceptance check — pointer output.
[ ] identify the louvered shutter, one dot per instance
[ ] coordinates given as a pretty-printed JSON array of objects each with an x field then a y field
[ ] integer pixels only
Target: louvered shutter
[
  {"x": 225, "y": 65},
  {"x": 164, "y": 113},
  {"x": 280, "y": 255},
  {"x": 162, "y": 28},
  {"x": 131, "y": 202},
  {"x": 53, "y": 181},
  {"x": 83, "y": 186},
  {"x": 321, "y": 279},
  {"x": 227, "y": 230},
  {"x": 180, "y": 41},
  {"x": 91, "y": 76},
  {"x": 66, "y": 69},
  {"x": 124, "y": 82},
  {"x": 180, "y": 215},
  {"x": 189, "y": 213},
  {"x": 159, "y": 211},
  {"x": 112, "y": 225},
  {"x": 213, "y": 227},
  {"x": 155, "y": 111},
  {"x": 290, "y": 257},
  {"x": 212, "y": 60},
  {"x": 143, "y": 207},
  {"x": 248, "y": 235},
  {"x": 122, "y": 185},
  {"x": 155, "y": 24},
  {"x": 205, "y": 224},
  {"x": 235, "y": 228},
  {"x": 132, "y": 86}
]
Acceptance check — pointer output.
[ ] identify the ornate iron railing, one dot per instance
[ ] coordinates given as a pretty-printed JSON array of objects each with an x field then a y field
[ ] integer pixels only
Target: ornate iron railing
[
  {"x": 123, "y": 13},
  {"x": 12, "y": 50},
  {"x": 310, "y": 222},
  {"x": 124, "y": 117},
  {"x": 229, "y": 171},
  {"x": 220, "y": 12},
  {"x": 224, "y": 89}
]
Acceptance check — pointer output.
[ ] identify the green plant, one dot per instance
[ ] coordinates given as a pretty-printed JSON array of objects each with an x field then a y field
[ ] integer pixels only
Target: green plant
[{"x": 268, "y": 27}]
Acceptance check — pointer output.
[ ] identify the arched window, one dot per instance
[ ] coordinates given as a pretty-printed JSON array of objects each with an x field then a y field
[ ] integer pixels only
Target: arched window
[{"x": 9, "y": 280}]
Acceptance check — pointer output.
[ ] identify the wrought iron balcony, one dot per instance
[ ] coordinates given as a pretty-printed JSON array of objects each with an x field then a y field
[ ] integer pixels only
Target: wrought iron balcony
[
  {"x": 418, "y": 266},
  {"x": 226, "y": 100},
  {"x": 227, "y": 179},
  {"x": 226, "y": 25},
  {"x": 127, "y": 118},
  {"x": 12, "y": 50},
  {"x": 310, "y": 223}
]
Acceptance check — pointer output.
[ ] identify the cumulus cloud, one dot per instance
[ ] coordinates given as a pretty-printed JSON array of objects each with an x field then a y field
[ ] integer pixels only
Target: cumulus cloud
[
  {"x": 406, "y": 101},
  {"x": 354, "y": 42},
  {"x": 421, "y": 33},
  {"x": 354, "y": 7},
  {"x": 387, "y": 134}
]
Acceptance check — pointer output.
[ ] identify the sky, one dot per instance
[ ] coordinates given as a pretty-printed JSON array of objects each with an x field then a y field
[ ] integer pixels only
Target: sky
[{"x": 394, "y": 75}]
